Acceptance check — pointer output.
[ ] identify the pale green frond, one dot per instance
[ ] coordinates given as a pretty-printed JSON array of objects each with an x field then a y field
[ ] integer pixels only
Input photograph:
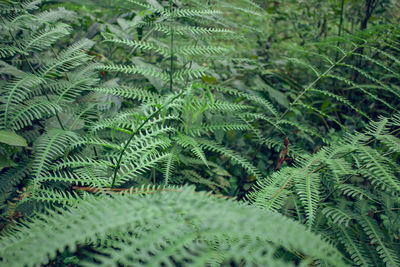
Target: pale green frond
[
  {"x": 160, "y": 228},
  {"x": 129, "y": 92},
  {"x": 187, "y": 141},
  {"x": 193, "y": 73},
  {"x": 377, "y": 169},
  {"x": 355, "y": 192},
  {"x": 308, "y": 190},
  {"x": 234, "y": 156},
  {"x": 195, "y": 30},
  {"x": 145, "y": 46},
  {"x": 15, "y": 92},
  {"x": 129, "y": 69},
  {"x": 129, "y": 169},
  {"x": 25, "y": 113},
  {"x": 48, "y": 148},
  {"x": 43, "y": 39}
]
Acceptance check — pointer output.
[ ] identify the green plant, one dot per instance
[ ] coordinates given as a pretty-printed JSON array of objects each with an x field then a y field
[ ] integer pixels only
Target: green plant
[
  {"x": 341, "y": 192},
  {"x": 44, "y": 78},
  {"x": 99, "y": 137},
  {"x": 178, "y": 226}
]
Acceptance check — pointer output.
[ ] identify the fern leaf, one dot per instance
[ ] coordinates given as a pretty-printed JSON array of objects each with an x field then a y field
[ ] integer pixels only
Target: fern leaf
[
  {"x": 353, "y": 246},
  {"x": 308, "y": 189},
  {"x": 164, "y": 226},
  {"x": 235, "y": 157}
]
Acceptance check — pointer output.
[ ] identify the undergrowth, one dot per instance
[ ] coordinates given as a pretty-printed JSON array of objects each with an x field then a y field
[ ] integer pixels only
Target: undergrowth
[{"x": 173, "y": 133}]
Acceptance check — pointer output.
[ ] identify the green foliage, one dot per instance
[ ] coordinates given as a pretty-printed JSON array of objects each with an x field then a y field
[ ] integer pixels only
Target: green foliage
[
  {"x": 357, "y": 166},
  {"x": 179, "y": 226},
  {"x": 283, "y": 109}
]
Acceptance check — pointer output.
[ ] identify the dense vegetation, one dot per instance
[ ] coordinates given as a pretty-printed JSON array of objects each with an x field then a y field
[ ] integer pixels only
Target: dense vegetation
[{"x": 200, "y": 133}]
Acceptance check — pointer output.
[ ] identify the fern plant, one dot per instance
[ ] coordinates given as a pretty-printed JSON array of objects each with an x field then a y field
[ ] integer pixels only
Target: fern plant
[
  {"x": 346, "y": 191},
  {"x": 41, "y": 92},
  {"x": 177, "y": 226},
  {"x": 183, "y": 99},
  {"x": 160, "y": 110}
]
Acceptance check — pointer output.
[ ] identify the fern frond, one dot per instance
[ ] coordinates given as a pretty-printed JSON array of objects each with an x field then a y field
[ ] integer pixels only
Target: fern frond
[
  {"x": 146, "y": 46},
  {"x": 196, "y": 149},
  {"x": 193, "y": 73},
  {"x": 13, "y": 176},
  {"x": 234, "y": 156},
  {"x": 165, "y": 225},
  {"x": 25, "y": 113},
  {"x": 353, "y": 246},
  {"x": 129, "y": 169},
  {"x": 15, "y": 92},
  {"x": 371, "y": 228},
  {"x": 355, "y": 192},
  {"x": 377, "y": 170},
  {"x": 199, "y": 130},
  {"x": 170, "y": 164},
  {"x": 339, "y": 215},
  {"x": 128, "y": 69},
  {"x": 195, "y": 30},
  {"x": 50, "y": 195},
  {"x": 43, "y": 39},
  {"x": 189, "y": 13},
  {"x": 48, "y": 148},
  {"x": 140, "y": 94},
  {"x": 308, "y": 190},
  {"x": 255, "y": 98},
  {"x": 272, "y": 192}
]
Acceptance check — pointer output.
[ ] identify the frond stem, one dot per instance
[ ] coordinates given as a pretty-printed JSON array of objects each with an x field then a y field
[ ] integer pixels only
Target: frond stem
[
  {"x": 171, "y": 67},
  {"x": 118, "y": 166},
  {"x": 315, "y": 81}
]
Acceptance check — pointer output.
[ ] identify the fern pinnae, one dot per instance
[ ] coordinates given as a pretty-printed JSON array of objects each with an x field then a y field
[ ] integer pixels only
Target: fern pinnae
[
  {"x": 236, "y": 158},
  {"x": 36, "y": 108},
  {"x": 315, "y": 81},
  {"x": 139, "y": 127},
  {"x": 338, "y": 215},
  {"x": 355, "y": 85},
  {"x": 255, "y": 98},
  {"x": 188, "y": 13},
  {"x": 128, "y": 69},
  {"x": 355, "y": 192},
  {"x": 45, "y": 38},
  {"x": 388, "y": 255},
  {"x": 140, "y": 94},
  {"x": 49, "y": 147},
  {"x": 307, "y": 188},
  {"x": 379, "y": 174},
  {"x": 353, "y": 246},
  {"x": 272, "y": 192},
  {"x": 195, "y": 30},
  {"x": 341, "y": 99},
  {"x": 198, "y": 130},
  {"x": 372, "y": 78},
  {"x": 170, "y": 164},
  {"x": 186, "y": 141},
  {"x": 146, "y": 46},
  {"x": 151, "y": 6},
  {"x": 379, "y": 63},
  {"x": 321, "y": 113},
  {"x": 17, "y": 92}
]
